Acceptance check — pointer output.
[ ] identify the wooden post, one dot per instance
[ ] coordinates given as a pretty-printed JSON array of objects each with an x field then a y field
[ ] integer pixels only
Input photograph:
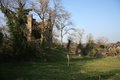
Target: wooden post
[
  {"x": 68, "y": 60},
  {"x": 68, "y": 48}
]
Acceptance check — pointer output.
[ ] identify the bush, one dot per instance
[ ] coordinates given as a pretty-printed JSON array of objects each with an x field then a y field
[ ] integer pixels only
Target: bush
[{"x": 53, "y": 55}]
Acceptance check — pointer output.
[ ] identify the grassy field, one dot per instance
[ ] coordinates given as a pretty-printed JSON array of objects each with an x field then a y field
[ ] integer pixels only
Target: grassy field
[{"x": 80, "y": 69}]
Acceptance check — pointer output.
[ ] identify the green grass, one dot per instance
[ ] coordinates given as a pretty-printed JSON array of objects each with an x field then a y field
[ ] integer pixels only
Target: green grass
[{"x": 80, "y": 69}]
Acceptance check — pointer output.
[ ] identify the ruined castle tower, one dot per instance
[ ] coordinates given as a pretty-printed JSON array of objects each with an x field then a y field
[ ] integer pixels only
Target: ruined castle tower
[{"x": 29, "y": 27}]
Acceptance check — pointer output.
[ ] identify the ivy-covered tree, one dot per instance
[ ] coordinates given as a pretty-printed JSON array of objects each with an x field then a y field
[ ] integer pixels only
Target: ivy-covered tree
[
  {"x": 16, "y": 15},
  {"x": 89, "y": 46},
  {"x": 1, "y": 37}
]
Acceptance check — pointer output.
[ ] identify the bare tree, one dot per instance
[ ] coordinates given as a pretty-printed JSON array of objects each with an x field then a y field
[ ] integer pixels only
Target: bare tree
[
  {"x": 79, "y": 35},
  {"x": 47, "y": 14},
  {"x": 102, "y": 41},
  {"x": 90, "y": 38},
  {"x": 41, "y": 8},
  {"x": 63, "y": 24}
]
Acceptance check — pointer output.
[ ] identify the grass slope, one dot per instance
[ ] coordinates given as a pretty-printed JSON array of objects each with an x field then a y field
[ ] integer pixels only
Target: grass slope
[{"x": 80, "y": 69}]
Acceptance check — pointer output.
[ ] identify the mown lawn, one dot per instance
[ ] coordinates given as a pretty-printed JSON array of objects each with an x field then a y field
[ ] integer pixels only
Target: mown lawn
[{"x": 80, "y": 69}]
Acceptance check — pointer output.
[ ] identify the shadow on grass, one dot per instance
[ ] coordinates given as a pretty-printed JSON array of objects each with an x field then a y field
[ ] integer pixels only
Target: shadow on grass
[{"x": 54, "y": 71}]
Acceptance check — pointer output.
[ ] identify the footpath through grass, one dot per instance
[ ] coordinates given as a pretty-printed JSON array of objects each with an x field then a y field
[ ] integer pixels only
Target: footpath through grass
[{"x": 80, "y": 69}]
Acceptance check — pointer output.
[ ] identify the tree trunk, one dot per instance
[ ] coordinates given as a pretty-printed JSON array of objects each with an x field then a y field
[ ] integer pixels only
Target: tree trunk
[
  {"x": 42, "y": 34},
  {"x": 61, "y": 38}
]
